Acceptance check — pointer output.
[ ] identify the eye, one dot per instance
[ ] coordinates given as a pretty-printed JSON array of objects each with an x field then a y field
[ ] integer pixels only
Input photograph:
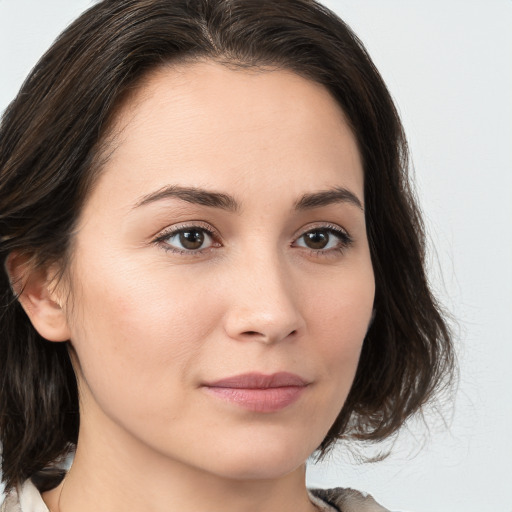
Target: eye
[
  {"x": 324, "y": 239},
  {"x": 190, "y": 239}
]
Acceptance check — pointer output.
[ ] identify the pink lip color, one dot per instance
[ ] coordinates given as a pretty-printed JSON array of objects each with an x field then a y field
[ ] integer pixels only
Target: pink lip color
[{"x": 258, "y": 392}]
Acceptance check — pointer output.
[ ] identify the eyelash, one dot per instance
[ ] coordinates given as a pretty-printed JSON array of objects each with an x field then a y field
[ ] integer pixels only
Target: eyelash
[
  {"x": 176, "y": 230},
  {"x": 345, "y": 240}
]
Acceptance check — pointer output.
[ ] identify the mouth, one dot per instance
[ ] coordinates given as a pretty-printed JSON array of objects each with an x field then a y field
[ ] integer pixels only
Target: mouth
[{"x": 258, "y": 392}]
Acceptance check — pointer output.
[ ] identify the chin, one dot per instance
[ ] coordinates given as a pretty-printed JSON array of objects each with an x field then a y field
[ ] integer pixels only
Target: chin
[{"x": 273, "y": 460}]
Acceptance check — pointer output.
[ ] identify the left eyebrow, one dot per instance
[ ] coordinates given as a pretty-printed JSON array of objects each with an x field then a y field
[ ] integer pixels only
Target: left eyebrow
[{"x": 327, "y": 197}]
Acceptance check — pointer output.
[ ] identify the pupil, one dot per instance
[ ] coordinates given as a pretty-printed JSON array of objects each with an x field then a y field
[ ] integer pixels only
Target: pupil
[
  {"x": 316, "y": 239},
  {"x": 191, "y": 239}
]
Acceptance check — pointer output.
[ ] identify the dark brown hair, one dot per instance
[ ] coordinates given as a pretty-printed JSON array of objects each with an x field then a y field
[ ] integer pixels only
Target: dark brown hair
[{"x": 50, "y": 144}]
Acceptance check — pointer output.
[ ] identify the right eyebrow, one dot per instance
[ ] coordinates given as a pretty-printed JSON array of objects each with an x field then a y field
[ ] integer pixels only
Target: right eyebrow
[
  {"x": 327, "y": 197},
  {"x": 193, "y": 195}
]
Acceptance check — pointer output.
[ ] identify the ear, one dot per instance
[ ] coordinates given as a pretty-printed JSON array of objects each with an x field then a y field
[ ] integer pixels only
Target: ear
[{"x": 36, "y": 291}]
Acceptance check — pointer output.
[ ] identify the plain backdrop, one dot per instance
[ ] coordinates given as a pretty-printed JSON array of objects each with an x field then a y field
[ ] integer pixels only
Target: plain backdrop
[{"x": 448, "y": 64}]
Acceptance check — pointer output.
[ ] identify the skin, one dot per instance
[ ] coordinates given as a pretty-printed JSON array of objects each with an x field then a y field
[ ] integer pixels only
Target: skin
[{"x": 150, "y": 324}]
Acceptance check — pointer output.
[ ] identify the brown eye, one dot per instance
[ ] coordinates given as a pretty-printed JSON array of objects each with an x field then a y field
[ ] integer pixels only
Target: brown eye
[
  {"x": 317, "y": 239},
  {"x": 191, "y": 239},
  {"x": 323, "y": 239}
]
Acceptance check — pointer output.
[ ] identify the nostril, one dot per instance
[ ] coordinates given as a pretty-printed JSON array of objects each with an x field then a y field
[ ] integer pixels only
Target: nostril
[{"x": 256, "y": 333}]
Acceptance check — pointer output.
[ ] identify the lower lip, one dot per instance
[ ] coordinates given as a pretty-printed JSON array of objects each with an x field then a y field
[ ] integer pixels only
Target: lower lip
[{"x": 259, "y": 399}]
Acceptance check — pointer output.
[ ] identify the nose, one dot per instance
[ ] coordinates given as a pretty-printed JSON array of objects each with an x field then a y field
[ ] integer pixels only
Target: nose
[{"x": 264, "y": 305}]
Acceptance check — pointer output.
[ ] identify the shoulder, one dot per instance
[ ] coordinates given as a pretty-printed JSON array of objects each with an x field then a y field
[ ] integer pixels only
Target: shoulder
[
  {"x": 10, "y": 503},
  {"x": 25, "y": 499},
  {"x": 348, "y": 500}
]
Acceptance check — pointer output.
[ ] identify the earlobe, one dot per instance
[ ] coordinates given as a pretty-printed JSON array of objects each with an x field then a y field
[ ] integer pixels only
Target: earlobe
[{"x": 35, "y": 290}]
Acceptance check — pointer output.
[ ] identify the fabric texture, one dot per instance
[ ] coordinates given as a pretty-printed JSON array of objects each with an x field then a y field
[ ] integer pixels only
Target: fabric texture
[
  {"x": 28, "y": 499},
  {"x": 347, "y": 500}
]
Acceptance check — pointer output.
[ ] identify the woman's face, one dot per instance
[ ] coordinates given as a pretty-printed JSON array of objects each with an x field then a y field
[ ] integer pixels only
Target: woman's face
[{"x": 221, "y": 281}]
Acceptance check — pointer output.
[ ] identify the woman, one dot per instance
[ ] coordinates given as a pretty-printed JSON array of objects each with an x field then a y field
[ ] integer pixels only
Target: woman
[{"x": 213, "y": 263}]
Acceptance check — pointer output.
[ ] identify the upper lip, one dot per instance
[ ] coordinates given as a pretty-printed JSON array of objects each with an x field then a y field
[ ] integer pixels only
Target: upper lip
[{"x": 256, "y": 380}]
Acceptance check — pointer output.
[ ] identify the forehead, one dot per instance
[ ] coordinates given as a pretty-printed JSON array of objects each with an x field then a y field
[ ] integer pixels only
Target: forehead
[{"x": 204, "y": 124}]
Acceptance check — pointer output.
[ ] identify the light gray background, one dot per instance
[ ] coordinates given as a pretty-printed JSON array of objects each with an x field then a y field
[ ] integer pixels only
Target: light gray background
[{"x": 448, "y": 64}]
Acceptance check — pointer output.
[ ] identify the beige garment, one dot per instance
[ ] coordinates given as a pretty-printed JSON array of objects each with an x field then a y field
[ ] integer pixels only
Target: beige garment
[
  {"x": 347, "y": 500},
  {"x": 28, "y": 499}
]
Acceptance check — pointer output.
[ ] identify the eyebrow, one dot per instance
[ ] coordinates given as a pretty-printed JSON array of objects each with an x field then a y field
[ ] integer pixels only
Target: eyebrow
[
  {"x": 327, "y": 197},
  {"x": 192, "y": 195},
  {"x": 226, "y": 202}
]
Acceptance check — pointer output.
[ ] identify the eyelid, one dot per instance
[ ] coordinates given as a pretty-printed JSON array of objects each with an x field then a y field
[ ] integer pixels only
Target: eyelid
[
  {"x": 169, "y": 231},
  {"x": 322, "y": 225},
  {"x": 346, "y": 240}
]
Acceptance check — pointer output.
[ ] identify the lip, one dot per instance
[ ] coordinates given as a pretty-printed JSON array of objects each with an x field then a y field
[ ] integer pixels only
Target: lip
[{"x": 259, "y": 392}]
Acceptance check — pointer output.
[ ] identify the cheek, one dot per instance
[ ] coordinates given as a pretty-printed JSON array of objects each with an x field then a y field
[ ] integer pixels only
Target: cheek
[
  {"x": 339, "y": 316},
  {"x": 141, "y": 332},
  {"x": 343, "y": 306},
  {"x": 126, "y": 303}
]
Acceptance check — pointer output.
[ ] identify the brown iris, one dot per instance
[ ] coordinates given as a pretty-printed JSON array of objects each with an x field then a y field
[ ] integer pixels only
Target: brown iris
[
  {"x": 191, "y": 239},
  {"x": 317, "y": 239}
]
